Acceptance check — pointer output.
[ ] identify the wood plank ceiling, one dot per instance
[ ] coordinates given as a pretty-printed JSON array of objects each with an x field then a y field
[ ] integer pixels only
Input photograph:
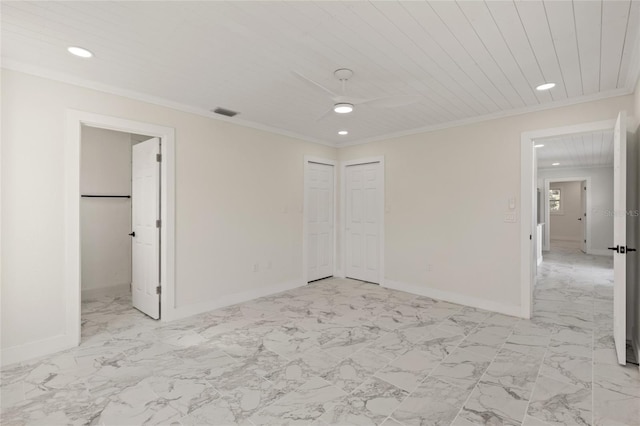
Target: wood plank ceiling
[
  {"x": 585, "y": 150},
  {"x": 466, "y": 59}
]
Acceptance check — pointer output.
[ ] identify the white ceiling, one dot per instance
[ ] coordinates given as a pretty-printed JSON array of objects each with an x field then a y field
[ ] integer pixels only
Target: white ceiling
[
  {"x": 468, "y": 59},
  {"x": 587, "y": 150}
]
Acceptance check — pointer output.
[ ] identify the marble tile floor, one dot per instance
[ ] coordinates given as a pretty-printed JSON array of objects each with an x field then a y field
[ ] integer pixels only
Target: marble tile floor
[{"x": 343, "y": 352}]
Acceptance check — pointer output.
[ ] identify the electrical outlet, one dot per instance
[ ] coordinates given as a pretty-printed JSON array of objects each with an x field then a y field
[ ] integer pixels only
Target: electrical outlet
[{"x": 429, "y": 267}]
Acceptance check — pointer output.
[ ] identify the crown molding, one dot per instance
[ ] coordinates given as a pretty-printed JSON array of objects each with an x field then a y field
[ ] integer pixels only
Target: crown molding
[
  {"x": 138, "y": 96},
  {"x": 494, "y": 116},
  {"x": 131, "y": 94}
]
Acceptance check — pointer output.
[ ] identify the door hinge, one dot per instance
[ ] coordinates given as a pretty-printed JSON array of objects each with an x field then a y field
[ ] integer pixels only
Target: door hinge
[
  {"x": 159, "y": 158},
  {"x": 158, "y": 290},
  {"x": 158, "y": 223},
  {"x": 530, "y": 237},
  {"x": 585, "y": 241}
]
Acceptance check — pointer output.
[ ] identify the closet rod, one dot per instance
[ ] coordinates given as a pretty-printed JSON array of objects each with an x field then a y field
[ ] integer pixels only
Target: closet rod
[{"x": 106, "y": 196}]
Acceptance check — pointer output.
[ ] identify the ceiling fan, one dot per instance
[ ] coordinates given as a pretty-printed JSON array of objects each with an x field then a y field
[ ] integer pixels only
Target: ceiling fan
[{"x": 344, "y": 104}]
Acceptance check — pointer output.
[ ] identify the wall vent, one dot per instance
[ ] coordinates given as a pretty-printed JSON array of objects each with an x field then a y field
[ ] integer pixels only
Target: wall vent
[{"x": 224, "y": 111}]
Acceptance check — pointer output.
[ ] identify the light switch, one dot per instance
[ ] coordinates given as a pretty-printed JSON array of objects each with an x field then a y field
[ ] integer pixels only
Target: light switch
[{"x": 512, "y": 203}]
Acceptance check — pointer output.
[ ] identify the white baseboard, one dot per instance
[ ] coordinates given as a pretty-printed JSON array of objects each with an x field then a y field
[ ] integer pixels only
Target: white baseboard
[
  {"x": 461, "y": 299},
  {"x": 228, "y": 300},
  {"x": 119, "y": 289},
  {"x": 600, "y": 252},
  {"x": 37, "y": 349},
  {"x": 563, "y": 239}
]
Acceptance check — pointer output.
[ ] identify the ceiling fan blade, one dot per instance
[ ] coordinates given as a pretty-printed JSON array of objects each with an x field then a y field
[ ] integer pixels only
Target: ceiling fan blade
[
  {"x": 392, "y": 101},
  {"x": 327, "y": 112},
  {"x": 314, "y": 84}
]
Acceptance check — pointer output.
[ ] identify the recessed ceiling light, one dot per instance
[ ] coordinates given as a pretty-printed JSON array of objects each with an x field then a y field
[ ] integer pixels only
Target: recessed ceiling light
[
  {"x": 546, "y": 86},
  {"x": 79, "y": 51},
  {"x": 538, "y": 145},
  {"x": 343, "y": 108},
  {"x": 343, "y": 132},
  {"x": 555, "y": 164}
]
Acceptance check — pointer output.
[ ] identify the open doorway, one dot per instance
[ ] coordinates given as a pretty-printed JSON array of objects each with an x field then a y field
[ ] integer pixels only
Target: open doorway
[
  {"x": 567, "y": 213},
  {"x": 574, "y": 290},
  {"x": 119, "y": 257},
  {"x": 165, "y": 136},
  {"x": 566, "y": 222},
  {"x": 575, "y": 180}
]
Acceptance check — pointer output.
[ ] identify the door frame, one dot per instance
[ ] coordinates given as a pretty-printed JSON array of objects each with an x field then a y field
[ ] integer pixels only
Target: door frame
[
  {"x": 547, "y": 214},
  {"x": 528, "y": 186},
  {"x": 305, "y": 211},
  {"x": 343, "y": 214},
  {"x": 74, "y": 121}
]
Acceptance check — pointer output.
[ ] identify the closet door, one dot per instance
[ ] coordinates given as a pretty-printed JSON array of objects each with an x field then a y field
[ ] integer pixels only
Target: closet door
[
  {"x": 145, "y": 241},
  {"x": 363, "y": 221},
  {"x": 320, "y": 210}
]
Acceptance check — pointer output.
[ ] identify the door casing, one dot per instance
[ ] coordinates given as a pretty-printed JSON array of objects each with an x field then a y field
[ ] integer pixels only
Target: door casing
[
  {"x": 74, "y": 121},
  {"x": 546, "y": 245}
]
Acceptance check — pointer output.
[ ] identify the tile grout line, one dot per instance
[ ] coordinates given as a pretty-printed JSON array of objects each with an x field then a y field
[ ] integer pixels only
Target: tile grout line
[
  {"x": 483, "y": 374},
  {"x": 432, "y": 370},
  {"x": 535, "y": 383}
]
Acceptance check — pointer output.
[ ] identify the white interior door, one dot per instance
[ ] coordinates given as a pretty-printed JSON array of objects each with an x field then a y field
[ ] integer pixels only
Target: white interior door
[
  {"x": 320, "y": 183},
  {"x": 363, "y": 221},
  {"x": 145, "y": 212},
  {"x": 583, "y": 215},
  {"x": 620, "y": 236}
]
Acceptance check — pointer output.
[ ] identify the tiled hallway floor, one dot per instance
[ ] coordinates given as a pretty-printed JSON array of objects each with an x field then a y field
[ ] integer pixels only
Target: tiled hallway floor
[{"x": 343, "y": 352}]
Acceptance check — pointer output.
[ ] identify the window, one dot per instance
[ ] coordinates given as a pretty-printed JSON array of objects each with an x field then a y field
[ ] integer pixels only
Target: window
[{"x": 555, "y": 200}]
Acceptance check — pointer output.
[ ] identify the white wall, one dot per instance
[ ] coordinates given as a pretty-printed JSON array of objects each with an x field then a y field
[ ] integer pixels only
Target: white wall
[
  {"x": 565, "y": 224},
  {"x": 105, "y": 222},
  {"x": 239, "y": 195},
  {"x": 446, "y": 195},
  {"x": 601, "y": 222}
]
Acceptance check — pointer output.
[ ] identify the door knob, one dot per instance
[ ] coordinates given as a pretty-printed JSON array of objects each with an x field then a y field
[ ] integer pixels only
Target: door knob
[
  {"x": 616, "y": 249},
  {"x": 579, "y": 218},
  {"x": 133, "y": 234},
  {"x": 630, "y": 249}
]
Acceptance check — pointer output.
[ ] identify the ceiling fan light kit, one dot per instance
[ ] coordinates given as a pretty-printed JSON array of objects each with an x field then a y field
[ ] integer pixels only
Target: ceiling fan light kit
[
  {"x": 343, "y": 108},
  {"x": 344, "y": 104}
]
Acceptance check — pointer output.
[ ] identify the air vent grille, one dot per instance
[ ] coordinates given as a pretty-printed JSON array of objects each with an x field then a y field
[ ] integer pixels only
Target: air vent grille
[{"x": 226, "y": 112}]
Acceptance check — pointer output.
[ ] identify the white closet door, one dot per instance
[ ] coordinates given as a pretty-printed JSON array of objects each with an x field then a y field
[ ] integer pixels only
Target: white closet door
[
  {"x": 145, "y": 211},
  {"x": 363, "y": 221},
  {"x": 319, "y": 220}
]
